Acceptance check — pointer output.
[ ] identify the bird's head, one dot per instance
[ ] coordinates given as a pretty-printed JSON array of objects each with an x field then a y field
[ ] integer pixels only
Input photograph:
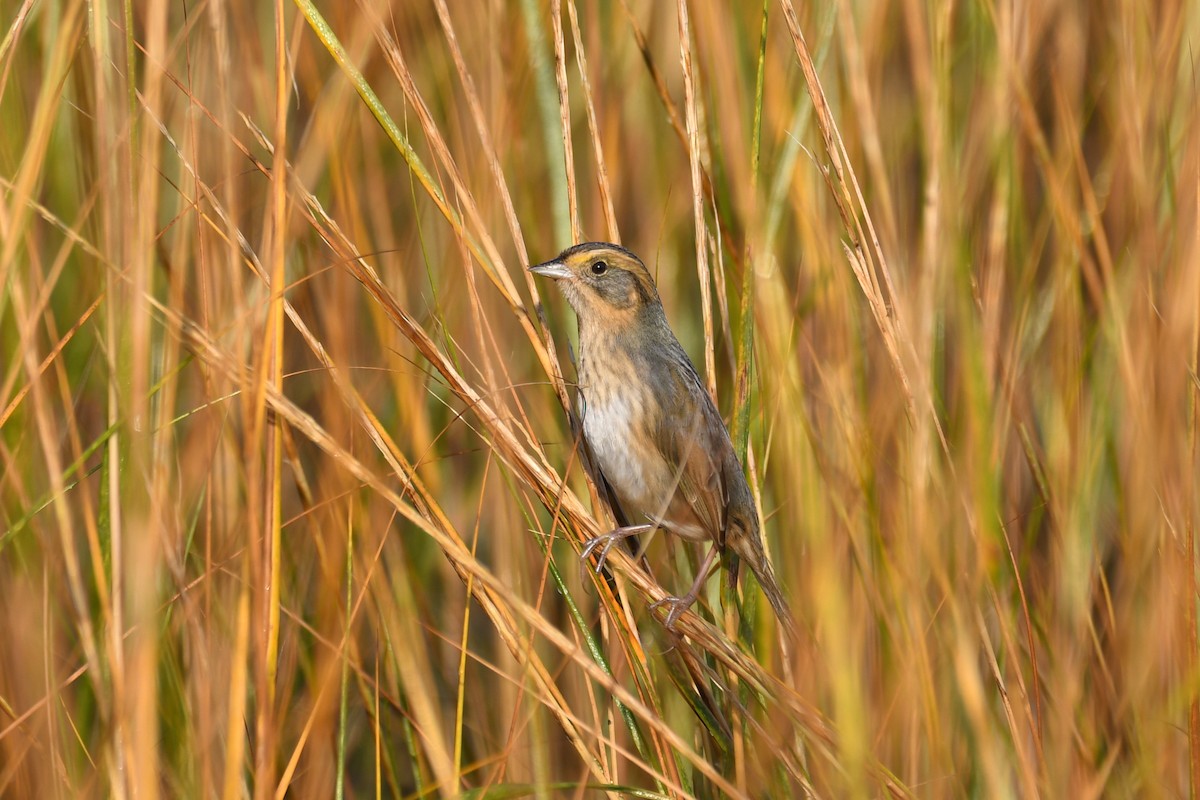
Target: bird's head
[{"x": 602, "y": 282}]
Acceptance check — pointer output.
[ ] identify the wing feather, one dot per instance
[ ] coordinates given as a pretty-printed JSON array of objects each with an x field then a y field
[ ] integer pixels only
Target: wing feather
[{"x": 691, "y": 438}]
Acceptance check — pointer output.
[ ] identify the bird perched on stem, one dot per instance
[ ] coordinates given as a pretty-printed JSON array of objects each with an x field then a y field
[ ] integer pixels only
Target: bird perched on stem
[{"x": 652, "y": 428}]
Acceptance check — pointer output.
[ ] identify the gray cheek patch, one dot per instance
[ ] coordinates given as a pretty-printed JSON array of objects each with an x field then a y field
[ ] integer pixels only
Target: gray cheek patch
[{"x": 618, "y": 290}]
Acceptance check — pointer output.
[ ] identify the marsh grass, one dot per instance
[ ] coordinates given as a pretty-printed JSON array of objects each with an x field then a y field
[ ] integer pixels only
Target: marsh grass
[{"x": 291, "y": 500}]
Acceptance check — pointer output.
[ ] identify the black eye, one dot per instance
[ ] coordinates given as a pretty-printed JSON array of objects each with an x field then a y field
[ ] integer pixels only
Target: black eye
[{"x": 599, "y": 268}]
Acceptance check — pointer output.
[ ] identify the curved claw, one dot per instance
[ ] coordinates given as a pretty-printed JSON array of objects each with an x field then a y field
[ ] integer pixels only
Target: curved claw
[
  {"x": 605, "y": 542},
  {"x": 678, "y": 606},
  {"x": 589, "y": 546}
]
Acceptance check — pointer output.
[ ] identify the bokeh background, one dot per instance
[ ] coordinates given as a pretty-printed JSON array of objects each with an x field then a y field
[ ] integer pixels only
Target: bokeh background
[{"x": 289, "y": 497}]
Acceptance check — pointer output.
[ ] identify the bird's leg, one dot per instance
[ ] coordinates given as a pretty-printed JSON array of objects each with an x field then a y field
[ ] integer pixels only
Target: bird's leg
[
  {"x": 681, "y": 604},
  {"x": 605, "y": 542}
]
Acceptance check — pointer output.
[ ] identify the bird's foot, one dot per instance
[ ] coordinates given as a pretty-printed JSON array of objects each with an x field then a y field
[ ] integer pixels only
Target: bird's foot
[
  {"x": 605, "y": 542},
  {"x": 677, "y": 605}
]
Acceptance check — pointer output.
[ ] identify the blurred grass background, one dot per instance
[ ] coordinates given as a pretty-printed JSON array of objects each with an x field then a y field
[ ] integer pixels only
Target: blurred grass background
[{"x": 289, "y": 502}]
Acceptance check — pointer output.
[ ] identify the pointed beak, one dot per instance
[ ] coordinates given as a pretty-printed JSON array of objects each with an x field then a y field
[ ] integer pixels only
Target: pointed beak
[{"x": 551, "y": 269}]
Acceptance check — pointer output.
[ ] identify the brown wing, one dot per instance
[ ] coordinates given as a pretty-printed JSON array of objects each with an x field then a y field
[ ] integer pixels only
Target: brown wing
[
  {"x": 711, "y": 487},
  {"x": 691, "y": 438}
]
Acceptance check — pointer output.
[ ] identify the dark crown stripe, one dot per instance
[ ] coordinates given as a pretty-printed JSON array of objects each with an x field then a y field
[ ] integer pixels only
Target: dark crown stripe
[{"x": 587, "y": 247}]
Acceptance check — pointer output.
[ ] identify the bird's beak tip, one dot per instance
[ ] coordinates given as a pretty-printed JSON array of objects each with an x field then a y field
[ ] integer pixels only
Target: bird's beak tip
[{"x": 551, "y": 269}]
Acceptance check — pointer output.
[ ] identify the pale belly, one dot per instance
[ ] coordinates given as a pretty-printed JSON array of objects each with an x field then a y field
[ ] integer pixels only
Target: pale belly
[
  {"x": 629, "y": 461},
  {"x": 645, "y": 484}
]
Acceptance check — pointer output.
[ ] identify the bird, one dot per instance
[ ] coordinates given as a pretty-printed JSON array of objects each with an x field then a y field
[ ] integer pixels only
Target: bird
[{"x": 651, "y": 426}]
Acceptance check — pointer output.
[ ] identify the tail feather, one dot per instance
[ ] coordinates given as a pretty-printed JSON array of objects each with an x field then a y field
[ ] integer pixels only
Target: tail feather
[
  {"x": 750, "y": 550},
  {"x": 766, "y": 579}
]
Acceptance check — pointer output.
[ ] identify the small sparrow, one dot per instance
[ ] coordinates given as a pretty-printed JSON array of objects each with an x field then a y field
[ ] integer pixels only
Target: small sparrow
[{"x": 651, "y": 426}]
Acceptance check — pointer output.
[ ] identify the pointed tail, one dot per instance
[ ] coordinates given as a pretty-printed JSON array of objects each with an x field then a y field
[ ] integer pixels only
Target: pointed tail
[{"x": 770, "y": 587}]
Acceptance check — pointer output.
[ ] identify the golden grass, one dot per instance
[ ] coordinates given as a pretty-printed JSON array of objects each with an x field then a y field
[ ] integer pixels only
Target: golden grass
[{"x": 290, "y": 498}]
